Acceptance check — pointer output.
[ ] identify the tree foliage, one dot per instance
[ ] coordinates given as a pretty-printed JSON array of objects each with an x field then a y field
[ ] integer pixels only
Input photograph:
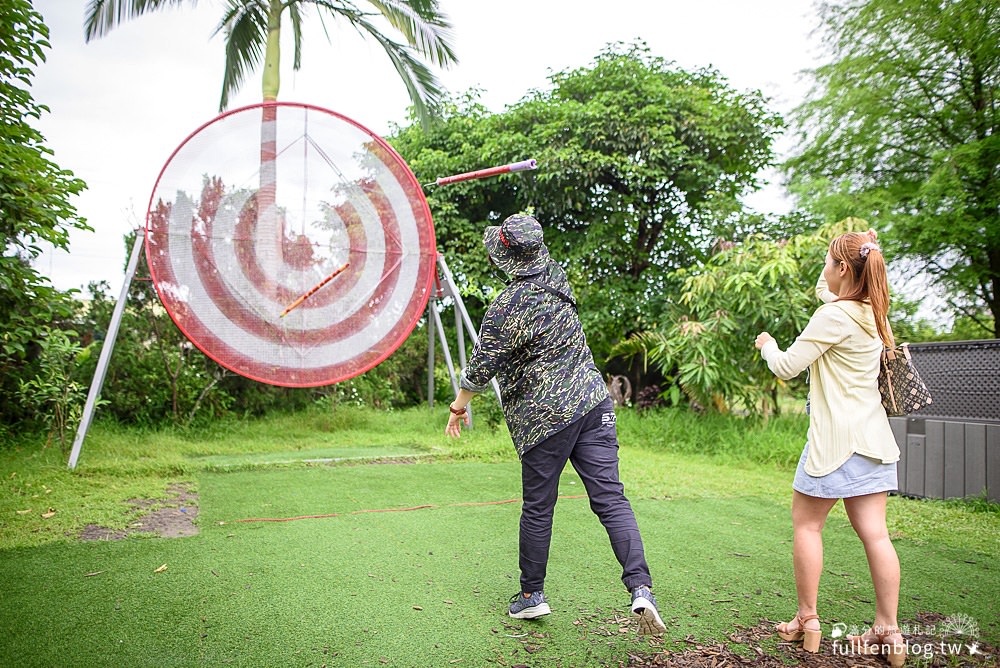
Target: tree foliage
[
  {"x": 706, "y": 350},
  {"x": 54, "y": 396},
  {"x": 902, "y": 128},
  {"x": 641, "y": 166},
  {"x": 34, "y": 206}
]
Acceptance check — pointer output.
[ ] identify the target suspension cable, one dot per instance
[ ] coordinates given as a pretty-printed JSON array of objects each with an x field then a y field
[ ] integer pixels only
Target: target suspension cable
[{"x": 350, "y": 185}]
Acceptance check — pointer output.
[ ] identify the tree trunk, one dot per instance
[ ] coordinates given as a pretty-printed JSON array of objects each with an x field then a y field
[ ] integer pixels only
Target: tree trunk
[{"x": 268, "y": 233}]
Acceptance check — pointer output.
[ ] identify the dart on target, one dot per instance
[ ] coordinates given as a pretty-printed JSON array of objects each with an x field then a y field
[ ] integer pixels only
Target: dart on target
[{"x": 313, "y": 290}]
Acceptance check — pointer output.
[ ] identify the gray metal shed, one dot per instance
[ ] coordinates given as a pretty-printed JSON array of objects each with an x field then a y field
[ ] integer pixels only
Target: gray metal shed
[{"x": 952, "y": 447}]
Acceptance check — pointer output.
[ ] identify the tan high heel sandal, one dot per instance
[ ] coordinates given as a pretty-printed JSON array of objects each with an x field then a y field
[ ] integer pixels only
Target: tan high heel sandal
[
  {"x": 872, "y": 642},
  {"x": 810, "y": 638}
]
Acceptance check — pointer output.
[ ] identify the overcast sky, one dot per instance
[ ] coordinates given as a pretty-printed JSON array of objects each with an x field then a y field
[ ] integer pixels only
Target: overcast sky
[{"x": 121, "y": 104}]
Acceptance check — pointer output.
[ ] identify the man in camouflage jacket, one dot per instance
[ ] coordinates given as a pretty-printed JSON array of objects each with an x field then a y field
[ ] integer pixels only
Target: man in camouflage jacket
[{"x": 557, "y": 408}]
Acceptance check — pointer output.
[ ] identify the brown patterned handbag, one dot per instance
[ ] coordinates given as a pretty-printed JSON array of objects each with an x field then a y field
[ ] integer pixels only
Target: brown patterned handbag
[{"x": 903, "y": 392}]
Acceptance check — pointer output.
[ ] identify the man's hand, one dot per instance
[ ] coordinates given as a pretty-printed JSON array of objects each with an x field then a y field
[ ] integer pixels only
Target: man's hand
[{"x": 454, "y": 428}]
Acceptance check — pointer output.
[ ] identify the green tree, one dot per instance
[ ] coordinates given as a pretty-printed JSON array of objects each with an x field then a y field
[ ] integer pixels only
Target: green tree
[
  {"x": 53, "y": 395},
  {"x": 641, "y": 164},
  {"x": 462, "y": 141},
  {"x": 706, "y": 351},
  {"x": 902, "y": 128},
  {"x": 252, "y": 29},
  {"x": 34, "y": 206},
  {"x": 155, "y": 375}
]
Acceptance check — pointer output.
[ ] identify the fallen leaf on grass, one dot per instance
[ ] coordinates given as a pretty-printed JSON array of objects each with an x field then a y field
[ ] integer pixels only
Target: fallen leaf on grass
[
  {"x": 23, "y": 512},
  {"x": 161, "y": 569},
  {"x": 51, "y": 513},
  {"x": 417, "y": 607},
  {"x": 90, "y": 575}
]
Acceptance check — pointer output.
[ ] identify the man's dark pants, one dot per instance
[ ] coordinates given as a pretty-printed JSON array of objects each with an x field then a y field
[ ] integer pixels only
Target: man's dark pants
[{"x": 591, "y": 444}]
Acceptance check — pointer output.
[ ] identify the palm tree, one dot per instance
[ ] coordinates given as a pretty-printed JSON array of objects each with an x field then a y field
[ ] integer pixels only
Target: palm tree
[{"x": 252, "y": 28}]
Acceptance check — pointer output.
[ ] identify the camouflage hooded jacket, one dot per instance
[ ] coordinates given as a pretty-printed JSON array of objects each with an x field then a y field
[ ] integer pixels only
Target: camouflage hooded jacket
[{"x": 534, "y": 344}]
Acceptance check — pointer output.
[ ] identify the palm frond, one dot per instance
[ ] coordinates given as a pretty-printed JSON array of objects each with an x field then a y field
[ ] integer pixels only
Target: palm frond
[
  {"x": 651, "y": 345},
  {"x": 245, "y": 28},
  {"x": 295, "y": 14},
  {"x": 425, "y": 92},
  {"x": 424, "y": 28},
  {"x": 103, "y": 15}
]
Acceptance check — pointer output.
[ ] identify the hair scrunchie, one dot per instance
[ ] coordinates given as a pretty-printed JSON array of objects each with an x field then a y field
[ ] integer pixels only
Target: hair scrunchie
[{"x": 868, "y": 247}]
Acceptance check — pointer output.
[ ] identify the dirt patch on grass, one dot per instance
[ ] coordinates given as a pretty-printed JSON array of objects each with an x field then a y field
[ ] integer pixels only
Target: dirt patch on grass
[
  {"x": 170, "y": 517},
  {"x": 932, "y": 647}
]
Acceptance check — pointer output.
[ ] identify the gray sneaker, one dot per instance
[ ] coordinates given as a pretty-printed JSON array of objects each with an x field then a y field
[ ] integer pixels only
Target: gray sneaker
[
  {"x": 529, "y": 607},
  {"x": 644, "y": 607}
]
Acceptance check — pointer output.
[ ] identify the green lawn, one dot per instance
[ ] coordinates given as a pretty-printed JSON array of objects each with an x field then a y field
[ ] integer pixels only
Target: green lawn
[{"x": 426, "y": 582}]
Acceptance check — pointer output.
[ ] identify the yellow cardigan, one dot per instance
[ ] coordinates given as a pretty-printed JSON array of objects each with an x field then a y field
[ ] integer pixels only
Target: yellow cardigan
[{"x": 841, "y": 348}]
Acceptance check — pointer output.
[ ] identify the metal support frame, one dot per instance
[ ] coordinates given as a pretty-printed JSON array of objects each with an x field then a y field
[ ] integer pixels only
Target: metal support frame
[
  {"x": 463, "y": 326},
  {"x": 106, "y": 349},
  {"x": 447, "y": 288}
]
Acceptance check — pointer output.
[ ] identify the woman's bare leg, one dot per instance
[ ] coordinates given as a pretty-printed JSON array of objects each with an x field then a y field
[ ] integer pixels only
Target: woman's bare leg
[
  {"x": 808, "y": 517},
  {"x": 867, "y": 515}
]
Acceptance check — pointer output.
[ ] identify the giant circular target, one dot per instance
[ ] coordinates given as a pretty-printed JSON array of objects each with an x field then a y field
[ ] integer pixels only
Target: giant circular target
[{"x": 290, "y": 244}]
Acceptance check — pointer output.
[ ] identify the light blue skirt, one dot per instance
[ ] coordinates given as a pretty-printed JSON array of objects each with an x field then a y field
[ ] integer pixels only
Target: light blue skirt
[{"x": 858, "y": 476}]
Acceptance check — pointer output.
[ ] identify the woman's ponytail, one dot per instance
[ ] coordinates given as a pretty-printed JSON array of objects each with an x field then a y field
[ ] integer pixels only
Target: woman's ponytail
[
  {"x": 864, "y": 257},
  {"x": 876, "y": 282}
]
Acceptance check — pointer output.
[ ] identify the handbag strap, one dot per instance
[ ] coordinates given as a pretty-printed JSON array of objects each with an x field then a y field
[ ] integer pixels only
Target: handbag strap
[
  {"x": 892, "y": 337},
  {"x": 888, "y": 378}
]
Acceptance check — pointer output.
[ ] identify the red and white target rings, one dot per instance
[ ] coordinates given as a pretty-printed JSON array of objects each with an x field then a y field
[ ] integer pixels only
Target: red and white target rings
[{"x": 263, "y": 204}]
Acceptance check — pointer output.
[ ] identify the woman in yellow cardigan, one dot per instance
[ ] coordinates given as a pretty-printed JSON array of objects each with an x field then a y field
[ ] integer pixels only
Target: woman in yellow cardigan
[{"x": 850, "y": 452}]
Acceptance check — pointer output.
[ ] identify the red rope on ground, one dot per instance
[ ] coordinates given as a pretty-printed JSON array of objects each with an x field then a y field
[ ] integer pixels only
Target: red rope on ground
[
  {"x": 389, "y": 510},
  {"x": 494, "y": 503}
]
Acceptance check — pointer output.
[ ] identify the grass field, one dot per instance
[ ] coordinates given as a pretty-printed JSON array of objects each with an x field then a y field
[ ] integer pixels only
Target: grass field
[{"x": 425, "y": 581}]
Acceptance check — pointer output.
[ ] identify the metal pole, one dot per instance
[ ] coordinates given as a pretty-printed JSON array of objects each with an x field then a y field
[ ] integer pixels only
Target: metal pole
[
  {"x": 430, "y": 352},
  {"x": 447, "y": 352},
  {"x": 460, "y": 335},
  {"x": 109, "y": 345},
  {"x": 449, "y": 283}
]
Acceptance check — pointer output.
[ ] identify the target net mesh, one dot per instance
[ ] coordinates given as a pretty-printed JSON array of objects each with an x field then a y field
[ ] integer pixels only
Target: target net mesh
[{"x": 255, "y": 212}]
